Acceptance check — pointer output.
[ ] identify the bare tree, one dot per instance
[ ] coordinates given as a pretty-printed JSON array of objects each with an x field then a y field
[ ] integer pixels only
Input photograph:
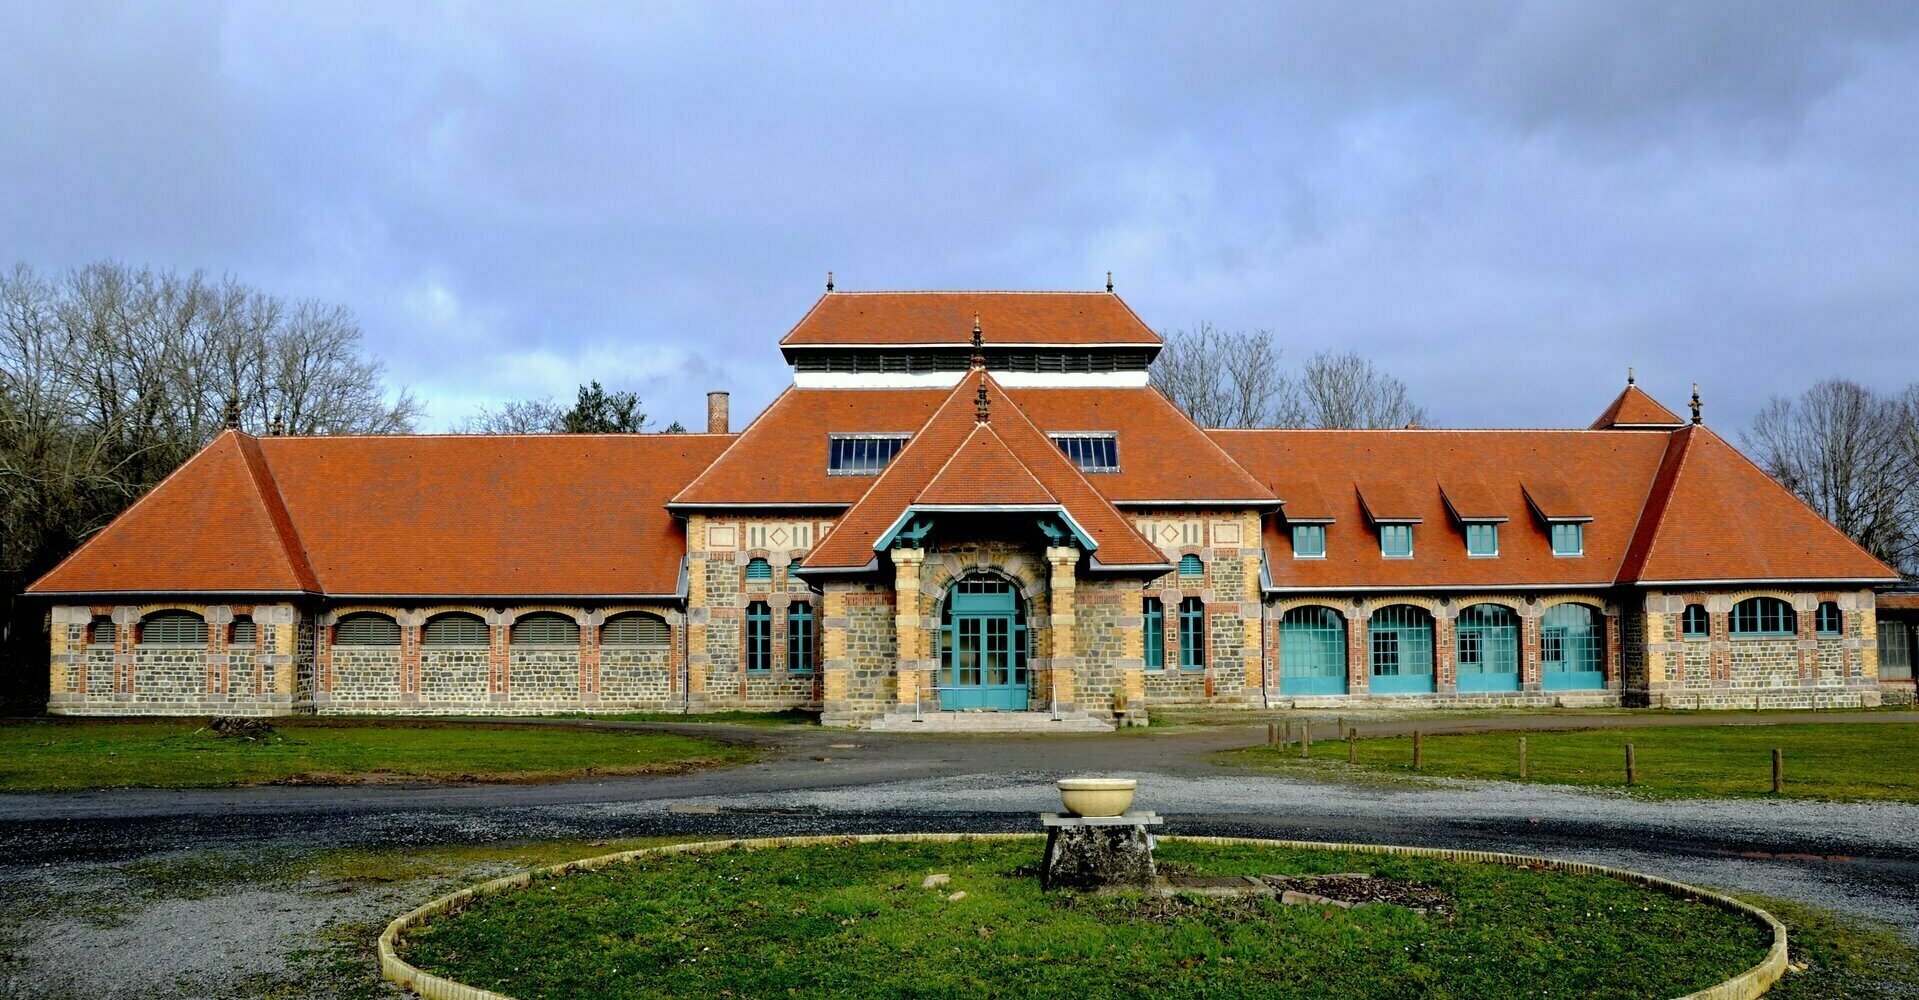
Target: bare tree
[
  {"x": 518, "y": 416},
  {"x": 595, "y": 411},
  {"x": 1235, "y": 379},
  {"x": 1852, "y": 454},
  {"x": 1224, "y": 378},
  {"x": 1348, "y": 391}
]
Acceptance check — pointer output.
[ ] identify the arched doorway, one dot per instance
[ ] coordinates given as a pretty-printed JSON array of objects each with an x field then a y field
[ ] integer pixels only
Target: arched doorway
[{"x": 983, "y": 645}]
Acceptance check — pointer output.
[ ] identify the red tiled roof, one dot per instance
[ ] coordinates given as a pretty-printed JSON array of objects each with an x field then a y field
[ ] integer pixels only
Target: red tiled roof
[
  {"x": 780, "y": 458},
  {"x": 207, "y": 527},
  {"x": 1616, "y": 470},
  {"x": 984, "y": 471},
  {"x": 472, "y": 515},
  {"x": 1163, "y": 455},
  {"x": 1470, "y": 499},
  {"x": 946, "y": 318},
  {"x": 1717, "y": 516},
  {"x": 1305, "y": 502},
  {"x": 1386, "y": 499},
  {"x": 1547, "y": 492},
  {"x": 918, "y": 465},
  {"x": 1632, "y": 408}
]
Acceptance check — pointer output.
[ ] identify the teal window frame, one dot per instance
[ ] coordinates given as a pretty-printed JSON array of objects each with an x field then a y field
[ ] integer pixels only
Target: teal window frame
[
  {"x": 1486, "y": 641},
  {"x": 1312, "y": 651},
  {"x": 1827, "y": 620},
  {"x": 1191, "y": 566},
  {"x": 1153, "y": 632},
  {"x": 1091, "y": 451},
  {"x": 1309, "y": 541},
  {"x": 1572, "y": 648},
  {"x": 758, "y": 570},
  {"x": 799, "y": 638},
  {"x": 1763, "y": 617},
  {"x": 1399, "y": 639},
  {"x": 1695, "y": 623},
  {"x": 1192, "y": 634},
  {"x": 1396, "y": 541},
  {"x": 1569, "y": 539},
  {"x": 758, "y": 648},
  {"x": 1482, "y": 539}
]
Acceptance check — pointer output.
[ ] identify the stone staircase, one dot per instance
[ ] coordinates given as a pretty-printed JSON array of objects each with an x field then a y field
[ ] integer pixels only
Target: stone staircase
[{"x": 988, "y": 722}]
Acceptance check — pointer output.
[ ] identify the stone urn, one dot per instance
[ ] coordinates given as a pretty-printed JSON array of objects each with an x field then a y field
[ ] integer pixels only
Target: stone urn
[{"x": 1096, "y": 796}]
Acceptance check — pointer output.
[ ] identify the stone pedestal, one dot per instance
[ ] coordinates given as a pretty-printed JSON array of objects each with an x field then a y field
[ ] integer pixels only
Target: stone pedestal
[{"x": 1098, "y": 852}]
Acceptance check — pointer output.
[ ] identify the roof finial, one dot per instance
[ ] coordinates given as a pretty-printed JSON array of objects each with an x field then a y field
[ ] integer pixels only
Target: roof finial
[
  {"x": 829, "y": 281},
  {"x": 233, "y": 413},
  {"x": 1696, "y": 405},
  {"x": 1628, "y": 374},
  {"x": 1109, "y": 281},
  {"x": 979, "y": 403},
  {"x": 979, "y": 349}
]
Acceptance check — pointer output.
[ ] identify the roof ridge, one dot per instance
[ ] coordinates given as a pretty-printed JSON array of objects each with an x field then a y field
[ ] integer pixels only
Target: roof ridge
[
  {"x": 1743, "y": 457},
  {"x": 267, "y": 489},
  {"x": 979, "y": 291},
  {"x": 1633, "y": 557},
  {"x": 1004, "y": 447},
  {"x": 728, "y": 450},
  {"x": 1125, "y": 524},
  {"x": 1208, "y": 438}
]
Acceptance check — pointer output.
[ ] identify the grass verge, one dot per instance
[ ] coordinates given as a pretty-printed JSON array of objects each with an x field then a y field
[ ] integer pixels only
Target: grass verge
[
  {"x": 54, "y": 756},
  {"x": 854, "y": 920},
  {"x": 1836, "y": 761}
]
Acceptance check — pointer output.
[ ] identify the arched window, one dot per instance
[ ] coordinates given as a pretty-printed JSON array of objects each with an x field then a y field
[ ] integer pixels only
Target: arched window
[
  {"x": 1401, "y": 641},
  {"x": 546, "y": 628},
  {"x": 173, "y": 628},
  {"x": 799, "y": 638},
  {"x": 1763, "y": 616},
  {"x": 1192, "y": 633},
  {"x": 1312, "y": 651},
  {"x": 759, "y": 637},
  {"x": 1571, "y": 649},
  {"x": 456, "y": 628},
  {"x": 102, "y": 631},
  {"x": 1828, "y": 621},
  {"x": 1153, "y": 624},
  {"x": 758, "y": 570},
  {"x": 1190, "y": 566},
  {"x": 366, "y": 628},
  {"x": 244, "y": 632},
  {"x": 1694, "y": 624},
  {"x": 1487, "y": 641},
  {"x": 635, "y": 628}
]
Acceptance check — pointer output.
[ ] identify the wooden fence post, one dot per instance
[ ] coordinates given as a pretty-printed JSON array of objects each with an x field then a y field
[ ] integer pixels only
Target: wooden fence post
[
  {"x": 1272, "y": 733},
  {"x": 1306, "y": 738},
  {"x": 1419, "y": 746},
  {"x": 1632, "y": 770},
  {"x": 1522, "y": 758},
  {"x": 1352, "y": 746},
  {"x": 1778, "y": 772}
]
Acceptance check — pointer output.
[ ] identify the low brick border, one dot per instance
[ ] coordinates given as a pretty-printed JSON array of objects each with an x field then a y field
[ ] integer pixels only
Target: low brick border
[{"x": 1749, "y": 984}]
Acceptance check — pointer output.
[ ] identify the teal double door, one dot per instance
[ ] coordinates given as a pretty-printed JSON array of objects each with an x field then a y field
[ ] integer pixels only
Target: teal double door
[{"x": 982, "y": 648}]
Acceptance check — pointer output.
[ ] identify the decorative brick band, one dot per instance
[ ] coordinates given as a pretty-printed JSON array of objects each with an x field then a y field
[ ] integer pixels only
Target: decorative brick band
[{"x": 1747, "y": 985}]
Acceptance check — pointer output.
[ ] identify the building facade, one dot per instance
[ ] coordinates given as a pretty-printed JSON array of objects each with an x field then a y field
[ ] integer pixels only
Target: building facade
[{"x": 971, "y": 502}]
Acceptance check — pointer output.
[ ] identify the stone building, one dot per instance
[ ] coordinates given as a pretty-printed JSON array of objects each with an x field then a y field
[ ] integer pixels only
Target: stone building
[{"x": 970, "y": 502}]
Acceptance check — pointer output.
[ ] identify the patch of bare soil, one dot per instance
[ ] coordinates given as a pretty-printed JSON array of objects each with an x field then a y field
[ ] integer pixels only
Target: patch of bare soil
[{"x": 1360, "y": 889}]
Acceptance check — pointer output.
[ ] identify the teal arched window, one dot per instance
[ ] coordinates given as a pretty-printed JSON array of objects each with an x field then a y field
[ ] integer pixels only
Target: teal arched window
[
  {"x": 1190, "y": 566},
  {"x": 1694, "y": 624},
  {"x": 1828, "y": 621},
  {"x": 1153, "y": 621},
  {"x": 1400, "y": 639},
  {"x": 1312, "y": 651},
  {"x": 759, "y": 637},
  {"x": 1571, "y": 649},
  {"x": 1192, "y": 634},
  {"x": 1764, "y": 616},
  {"x": 1487, "y": 647},
  {"x": 799, "y": 638},
  {"x": 758, "y": 569}
]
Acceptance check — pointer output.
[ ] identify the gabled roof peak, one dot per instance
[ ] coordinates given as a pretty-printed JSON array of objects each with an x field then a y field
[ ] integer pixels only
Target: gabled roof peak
[{"x": 1633, "y": 409}]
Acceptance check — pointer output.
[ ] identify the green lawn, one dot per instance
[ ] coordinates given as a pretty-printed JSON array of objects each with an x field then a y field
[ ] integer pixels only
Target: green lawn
[
  {"x": 1836, "y": 761},
  {"x": 853, "y": 921},
  {"x": 45, "y": 756}
]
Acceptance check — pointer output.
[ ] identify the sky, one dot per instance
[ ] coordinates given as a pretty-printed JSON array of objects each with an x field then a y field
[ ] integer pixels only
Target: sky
[{"x": 1503, "y": 204}]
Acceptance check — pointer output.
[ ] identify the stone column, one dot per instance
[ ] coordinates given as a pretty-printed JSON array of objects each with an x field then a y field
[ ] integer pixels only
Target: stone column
[
  {"x": 834, "y": 661},
  {"x": 1064, "y": 561},
  {"x": 909, "y": 630}
]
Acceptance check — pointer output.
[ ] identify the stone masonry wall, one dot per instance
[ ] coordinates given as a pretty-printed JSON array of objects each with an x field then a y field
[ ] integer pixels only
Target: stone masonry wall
[
  {"x": 127, "y": 676},
  {"x": 719, "y": 550},
  {"x": 1227, "y": 544},
  {"x": 1724, "y": 670}
]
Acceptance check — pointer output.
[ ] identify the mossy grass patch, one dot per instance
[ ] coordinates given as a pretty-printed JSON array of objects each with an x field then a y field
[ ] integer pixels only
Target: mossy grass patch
[{"x": 855, "y": 920}]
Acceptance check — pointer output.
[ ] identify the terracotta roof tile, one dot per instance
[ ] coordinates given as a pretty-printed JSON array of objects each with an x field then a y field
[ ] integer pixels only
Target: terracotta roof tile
[
  {"x": 1163, "y": 455},
  {"x": 1632, "y": 408},
  {"x": 781, "y": 456},
  {"x": 946, "y": 318},
  {"x": 1387, "y": 500},
  {"x": 984, "y": 471},
  {"x": 1552, "y": 498},
  {"x": 1717, "y": 516},
  {"x": 1470, "y": 499}
]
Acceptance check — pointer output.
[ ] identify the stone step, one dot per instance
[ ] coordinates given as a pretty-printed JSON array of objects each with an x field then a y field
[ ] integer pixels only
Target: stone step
[{"x": 989, "y": 722}]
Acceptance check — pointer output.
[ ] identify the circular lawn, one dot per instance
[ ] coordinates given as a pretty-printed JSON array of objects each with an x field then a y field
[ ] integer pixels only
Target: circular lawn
[{"x": 848, "y": 919}]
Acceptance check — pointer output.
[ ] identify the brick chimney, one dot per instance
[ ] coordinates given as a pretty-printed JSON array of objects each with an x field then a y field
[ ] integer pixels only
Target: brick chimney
[{"x": 716, "y": 422}]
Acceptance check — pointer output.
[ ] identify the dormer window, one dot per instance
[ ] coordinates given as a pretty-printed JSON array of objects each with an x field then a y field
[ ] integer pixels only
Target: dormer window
[
  {"x": 1309, "y": 541},
  {"x": 861, "y": 454},
  {"x": 1482, "y": 540},
  {"x": 1396, "y": 541},
  {"x": 1569, "y": 538},
  {"x": 1093, "y": 451}
]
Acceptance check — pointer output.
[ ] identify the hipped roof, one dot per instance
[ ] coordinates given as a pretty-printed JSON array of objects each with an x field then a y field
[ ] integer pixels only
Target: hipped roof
[{"x": 934, "y": 319}]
